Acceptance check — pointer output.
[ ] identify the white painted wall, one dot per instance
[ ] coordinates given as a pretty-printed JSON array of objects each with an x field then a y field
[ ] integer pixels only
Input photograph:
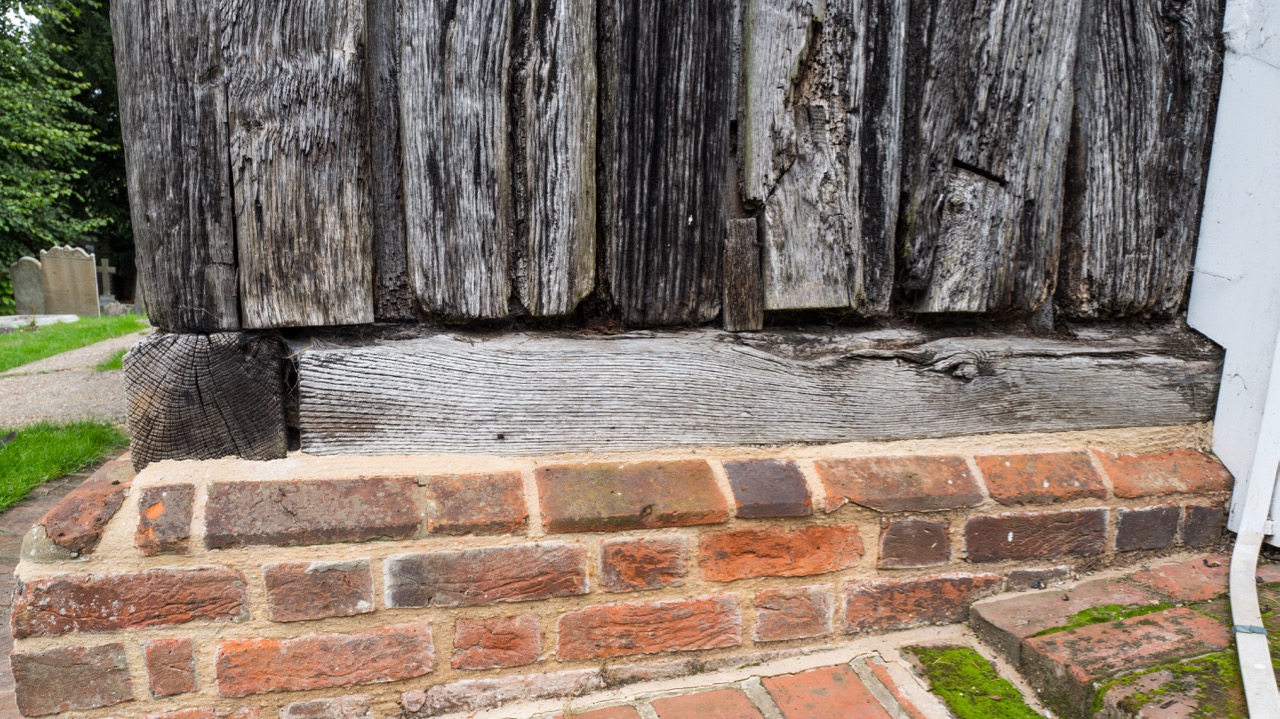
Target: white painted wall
[{"x": 1235, "y": 290}]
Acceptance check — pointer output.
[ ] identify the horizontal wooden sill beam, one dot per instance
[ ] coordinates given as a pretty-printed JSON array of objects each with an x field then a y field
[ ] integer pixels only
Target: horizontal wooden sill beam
[{"x": 530, "y": 394}]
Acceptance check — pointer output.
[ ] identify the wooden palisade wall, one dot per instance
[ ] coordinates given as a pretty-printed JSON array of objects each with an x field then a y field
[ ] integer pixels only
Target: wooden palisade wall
[{"x": 341, "y": 162}]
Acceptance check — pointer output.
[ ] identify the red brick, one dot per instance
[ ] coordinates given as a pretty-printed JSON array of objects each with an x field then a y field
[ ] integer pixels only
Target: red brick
[
  {"x": 800, "y": 613},
  {"x": 496, "y": 643},
  {"x": 1036, "y": 535},
  {"x": 76, "y": 522},
  {"x": 105, "y": 602},
  {"x": 298, "y": 591},
  {"x": 1152, "y": 475},
  {"x": 718, "y": 704},
  {"x": 164, "y": 519},
  {"x": 171, "y": 668},
  {"x": 388, "y": 654},
  {"x": 303, "y": 512},
  {"x": 1191, "y": 581},
  {"x": 1068, "y": 666},
  {"x": 1146, "y": 528},
  {"x": 1202, "y": 525},
  {"x": 355, "y": 706},
  {"x": 71, "y": 679},
  {"x": 886, "y": 604},
  {"x": 613, "y": 630},
  {"x": 900, "y": 484},
  {"x": 827, "y": 693},
  {"x": 768, "y": 488},
  {"x": 1004, "y": 623},
  {"x": 607, "y": 497},
  {"x": 775, "y": 552},
  {"x": 631, "y": 565},
  {"x": 620, "y": 712},
  {"x": 484, "y": 576},
  {"x": 913, "y": 542},
  {"x": 1041, "y": 478},
  {"x": 476, "y": 504}
]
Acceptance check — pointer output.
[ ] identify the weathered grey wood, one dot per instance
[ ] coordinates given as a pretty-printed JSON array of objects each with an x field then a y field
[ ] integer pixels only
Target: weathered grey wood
[
  {"x": 984, "y": 165},
  {"x": 455, "y": 135},
  {"x": 556, "y": 199},
  {"x": 531, "y": 394},
  {"x": 1146, "y": 88},
  {"x": 743, "y": 278},
  {"x": 173, "y": 115},
  {"x": 299, "y": 148},
  {"x": 880, "y": 176},
  {"x": 393, "y": 295},
  {"x": 666, "y": 97},
  {"x": 194, "y": 396}
]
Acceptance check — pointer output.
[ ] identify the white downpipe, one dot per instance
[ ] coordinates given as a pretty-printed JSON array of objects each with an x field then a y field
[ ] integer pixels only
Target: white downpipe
[{"x": 1251, "y": 638}]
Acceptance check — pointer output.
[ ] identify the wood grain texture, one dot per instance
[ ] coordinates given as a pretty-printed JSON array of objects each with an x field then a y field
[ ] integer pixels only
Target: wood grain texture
[
  {"x": 985, "y": 152},
  {"x": 299, "y": 148},
  {"x": 556, "y": 197},
  {"x": 1146, "y": 89},
  {"x": 173, "y": 114},
  {"x": 743, "y": 278},
  {"x": 534, "y": 394},
  {"x": 455, "y": 135},
  {"x": 666, "y": 97},
  {"x": 393, "y": 295},
  {"x": 194, "y": 396}
]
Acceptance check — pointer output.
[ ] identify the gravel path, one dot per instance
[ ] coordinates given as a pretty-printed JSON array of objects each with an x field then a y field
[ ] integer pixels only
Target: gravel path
[{"x": 65, "y": 387}]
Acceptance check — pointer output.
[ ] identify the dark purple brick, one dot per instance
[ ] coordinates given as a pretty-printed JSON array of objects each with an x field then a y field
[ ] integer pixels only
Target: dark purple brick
[
  {"x": 768, "y": 488},
  {"x": 1147, "y": 528}
]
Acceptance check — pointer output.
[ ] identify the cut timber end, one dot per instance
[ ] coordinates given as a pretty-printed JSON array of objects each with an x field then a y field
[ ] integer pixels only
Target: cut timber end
[
  {"x": 206, "y": 396},
  {"x": 538, "y": 394}
]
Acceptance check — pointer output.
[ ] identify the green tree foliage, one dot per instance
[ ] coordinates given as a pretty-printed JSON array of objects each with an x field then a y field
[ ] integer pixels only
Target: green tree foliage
[{"x": 46, "y": 147}]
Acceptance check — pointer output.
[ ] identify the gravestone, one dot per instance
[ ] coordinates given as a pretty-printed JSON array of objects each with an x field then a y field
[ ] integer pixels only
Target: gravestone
[
  {"x": 105, "y": 270},
  {"x": 70, "y": 282},
  {"x": 28, "y": 286}
]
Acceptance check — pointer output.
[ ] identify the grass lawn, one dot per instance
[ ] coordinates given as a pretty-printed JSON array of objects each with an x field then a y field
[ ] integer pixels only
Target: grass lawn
[
  {"x": 24, "y": 346},
  {"x": 114, "y": 362},
  {"x": 44, "y": 451}
]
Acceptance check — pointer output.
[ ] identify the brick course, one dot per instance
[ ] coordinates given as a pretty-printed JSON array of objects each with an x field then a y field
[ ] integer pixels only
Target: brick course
[
  {"x": 257, "y": 666},
  {"x": 613, "y": 630},
  {"x": 518, "y": 573},
  {"x": 900, "y": 484},
  {"x": 772, "y": 552},
  {"x": 1146, "y": 528},
  {"x": 105, "y": 602},
  {"x": 1041, "y": 478}
]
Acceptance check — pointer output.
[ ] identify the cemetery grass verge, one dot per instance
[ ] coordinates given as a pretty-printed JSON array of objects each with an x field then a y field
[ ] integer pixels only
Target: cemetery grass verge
[
  {"x": 28, "y": 345},
  {"x": 42, "y": 452},
  {"x": 114, "y": 362}
]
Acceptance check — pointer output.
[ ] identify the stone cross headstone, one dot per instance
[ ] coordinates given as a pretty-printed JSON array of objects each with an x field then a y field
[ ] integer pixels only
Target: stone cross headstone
[
  {"x": 28, "y": 286},
  {"x": 105, "y": 270},
  {"x": 70, "y": 282}
]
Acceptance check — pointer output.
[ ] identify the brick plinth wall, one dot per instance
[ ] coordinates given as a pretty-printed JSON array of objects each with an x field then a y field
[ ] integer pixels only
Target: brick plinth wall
[{"x": 381, "y": 587}]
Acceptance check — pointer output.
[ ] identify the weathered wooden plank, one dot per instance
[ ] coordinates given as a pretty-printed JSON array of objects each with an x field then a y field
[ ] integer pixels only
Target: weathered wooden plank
[
  {"x": 556, "y": 193},
  {"x": 393, "y": 295},
  {"x": 455, "y": 135},
  {"x": 1146, "y": 87},
  {"x": 173, "y": 114},
  {"x": 531, "y": 394},
  {"x": 299, "y": 146},
  {"x": 194, "y": 396},
  {"x": 743, "y": 278},
  {"x": 666, "y": 97},
  {"x": 987, "y": 144}
]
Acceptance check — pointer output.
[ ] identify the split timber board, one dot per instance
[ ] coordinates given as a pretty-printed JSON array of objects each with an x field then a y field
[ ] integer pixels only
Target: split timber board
[{"x": 543, "y": 394}]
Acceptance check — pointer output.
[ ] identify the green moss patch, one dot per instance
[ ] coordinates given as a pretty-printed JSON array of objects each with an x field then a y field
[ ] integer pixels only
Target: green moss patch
[
  {"x": 1212, "y": 683},
  {"x": 1104, "y": 614},
  {"x": 969, "y": 684}
]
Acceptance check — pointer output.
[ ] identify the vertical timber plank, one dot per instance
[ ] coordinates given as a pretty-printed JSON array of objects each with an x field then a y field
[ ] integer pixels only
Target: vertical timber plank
[
  {"x": 393, "y": 295},
  {"x": 557, "y": 201},
  {"x": 743, "y": 281},
  {"x": 299, "y": 149},
  {"x": 666, "y": 100},
  {"x": 985, "y": 160},
  {"x": 173, "y": 114},
  {"x": 1146, "y": 88},
  {"x": 455, "y": 137}
]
